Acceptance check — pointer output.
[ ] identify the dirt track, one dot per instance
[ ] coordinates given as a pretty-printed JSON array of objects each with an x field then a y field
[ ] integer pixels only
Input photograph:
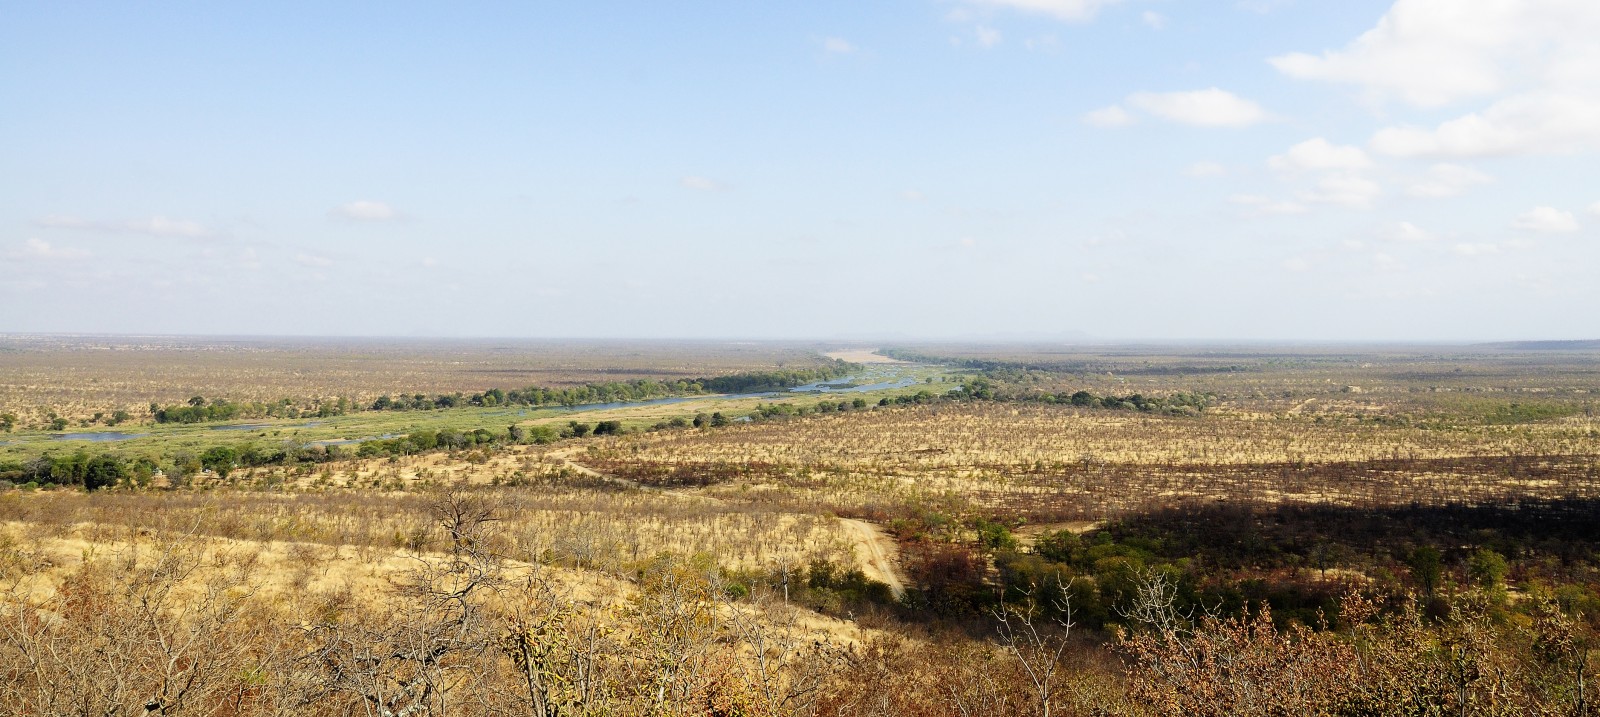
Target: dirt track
[{"x": 877, "y": 552}]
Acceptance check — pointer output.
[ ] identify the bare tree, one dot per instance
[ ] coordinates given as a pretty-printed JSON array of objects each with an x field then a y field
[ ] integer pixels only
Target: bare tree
[{"x": 1036, "y": 644}]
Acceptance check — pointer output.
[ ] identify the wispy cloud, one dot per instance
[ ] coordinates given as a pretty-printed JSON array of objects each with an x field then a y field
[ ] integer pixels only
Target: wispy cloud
[
  {"x": 312, "y": 260},
  {"x": 1447, "y": 180},
  {"x": 987, "y": 36},
  {"x": 1257, "y": 204},
  {"x": 1547, "y": 220},
  {"x": 39, "y": 249},
  {"x": 1319, "y": 154},
  {"x": 1113, "y": 116},
  {"x": 1211, "y": 107},
  {"x": 837, "y": 46},
  {"x": 156, "y": 226},
  {"x": 1068, "y": 10},
  {"x": 701, "y": 184},
  {"x": 365, "y": 210}
]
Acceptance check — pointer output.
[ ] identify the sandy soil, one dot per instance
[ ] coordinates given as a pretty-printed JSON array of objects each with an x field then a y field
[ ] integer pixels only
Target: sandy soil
[{"x": 861, "y": 356}]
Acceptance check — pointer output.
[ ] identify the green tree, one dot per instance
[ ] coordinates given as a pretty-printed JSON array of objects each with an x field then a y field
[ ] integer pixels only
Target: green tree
[
  {"x": 104, "y": 472},
  {"x": 1487, "y": 568},
  {"x": 1426, "y": 568},
  {"x": 220, "y": 459}
]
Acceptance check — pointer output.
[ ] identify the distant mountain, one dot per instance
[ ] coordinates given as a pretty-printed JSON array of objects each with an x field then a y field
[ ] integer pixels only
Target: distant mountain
[{"x": 1585, "y": 345}]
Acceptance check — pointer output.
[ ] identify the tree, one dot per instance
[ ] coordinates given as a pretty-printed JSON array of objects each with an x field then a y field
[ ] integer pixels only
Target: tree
[
  {"x": 220, "y": 459},
  {"x": 1425, "y": 567},
  {"x": 104, "y": 472}
]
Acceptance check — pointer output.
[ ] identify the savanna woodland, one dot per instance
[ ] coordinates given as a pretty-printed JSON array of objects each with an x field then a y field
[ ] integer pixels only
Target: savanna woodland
[{"x": 208, "y": 527}]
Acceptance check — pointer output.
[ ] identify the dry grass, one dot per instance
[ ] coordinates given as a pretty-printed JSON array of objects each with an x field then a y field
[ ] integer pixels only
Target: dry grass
[{"x": 1061, "y": 463}]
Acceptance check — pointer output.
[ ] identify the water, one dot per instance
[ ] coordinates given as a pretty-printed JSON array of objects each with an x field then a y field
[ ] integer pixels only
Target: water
[
  {"x": 98, "y": 437},
  {"x": 879, "y": 378}
]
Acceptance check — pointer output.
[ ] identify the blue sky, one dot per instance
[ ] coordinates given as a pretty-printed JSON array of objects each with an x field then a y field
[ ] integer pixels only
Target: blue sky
[{"x": 1125, "y": 169}]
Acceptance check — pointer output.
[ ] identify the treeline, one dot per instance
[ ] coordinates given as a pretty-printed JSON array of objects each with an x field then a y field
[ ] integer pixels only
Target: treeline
[
  {"x": 81, "y": 470},
  {"x": 622, "y": 391},
  {"x": 200, "y": 410},
  {"x": 982, "y": 388},
  {"x": 1066, "y": 366}
]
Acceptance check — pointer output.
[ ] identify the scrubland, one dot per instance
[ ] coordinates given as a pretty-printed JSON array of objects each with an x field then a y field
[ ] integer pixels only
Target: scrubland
[{"x": 1117, "y": 532}]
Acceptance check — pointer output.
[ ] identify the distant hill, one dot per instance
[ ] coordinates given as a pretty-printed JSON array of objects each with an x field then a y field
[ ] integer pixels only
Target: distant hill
[{"x": 1584, "y": 345}]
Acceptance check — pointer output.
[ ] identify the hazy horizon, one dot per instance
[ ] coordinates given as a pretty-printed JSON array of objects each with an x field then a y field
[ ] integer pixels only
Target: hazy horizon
[{"x": 1379, "y": 171}]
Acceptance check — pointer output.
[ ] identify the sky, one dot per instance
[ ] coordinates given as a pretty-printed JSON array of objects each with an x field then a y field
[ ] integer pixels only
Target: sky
[{"x": 1414, "y": 170}]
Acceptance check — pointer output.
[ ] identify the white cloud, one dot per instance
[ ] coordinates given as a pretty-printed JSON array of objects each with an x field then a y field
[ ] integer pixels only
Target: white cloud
[
  {"x": 1206, "y": 170},
  {"x": 35, "y": 248},
  {"x": 1210, "y": 107},
  {"x": 1534, "y": 62},
  {"x": 1319, "y": 154},
  {"x": 1348, "y": 190},
  {"x": 1068, "y": 10},
  {"x": 1406, "y": 232},
  {"x": 987, "y": 36},
  {"x": 312, "y": 260},
  {"x": 1113, "y": 116},
  {"x": 1257, "y": 204},
  {"x": 157, "y": 226},
  {"x": 1154, "y": 19},
  {"x": 912, "y": 195},
  {"x": 1425, "y": 52},
  {"x": 1548, "y": 220},
  {"x": 837, "y": 46},
  {"x": 1595, "y": 209},
  {"x": 1296, "y": 264},
  {"x": 366, "y": 210},
  {"x": 1542, "y": 122},
  {"x": 1447, "y": 180},
  {"x": 701, "y": 184}
]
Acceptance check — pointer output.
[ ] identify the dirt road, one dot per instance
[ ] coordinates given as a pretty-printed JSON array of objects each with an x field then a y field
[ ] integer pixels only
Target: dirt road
[{"x": 877, "y": 552}]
